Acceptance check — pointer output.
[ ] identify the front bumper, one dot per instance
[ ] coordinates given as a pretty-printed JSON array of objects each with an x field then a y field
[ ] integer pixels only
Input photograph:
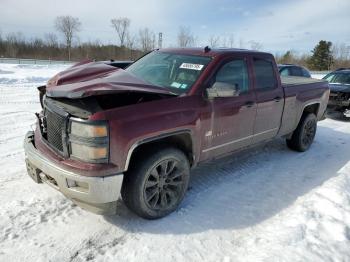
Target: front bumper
[{"x": 97, "y": 194}]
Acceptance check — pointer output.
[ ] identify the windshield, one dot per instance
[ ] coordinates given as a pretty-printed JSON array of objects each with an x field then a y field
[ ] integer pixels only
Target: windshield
[
  {"x": 338, "y": 78},
  {"x": 171, "y": 71}
]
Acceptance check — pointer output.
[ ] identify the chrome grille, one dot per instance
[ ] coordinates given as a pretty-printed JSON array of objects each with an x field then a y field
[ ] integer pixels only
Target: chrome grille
[
  {"x": 339, "y": 96},
  {"x": 55, "y": 126}
]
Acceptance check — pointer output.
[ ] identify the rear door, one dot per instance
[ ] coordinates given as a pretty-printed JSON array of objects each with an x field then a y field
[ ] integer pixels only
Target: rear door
[
  {"x": 232, "y": 117},
  {"x": 269, "y": 99}
]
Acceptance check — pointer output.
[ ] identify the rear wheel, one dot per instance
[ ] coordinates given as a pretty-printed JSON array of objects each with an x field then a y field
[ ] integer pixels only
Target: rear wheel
[
  {"x": 156, "y": 185},
  {"x": 304, "y": 135}
]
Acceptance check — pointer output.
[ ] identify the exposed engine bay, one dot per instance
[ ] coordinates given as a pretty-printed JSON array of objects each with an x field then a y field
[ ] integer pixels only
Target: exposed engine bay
[
  {"x": 87, "y": 106},
  {"x": 339, "y": 101}
]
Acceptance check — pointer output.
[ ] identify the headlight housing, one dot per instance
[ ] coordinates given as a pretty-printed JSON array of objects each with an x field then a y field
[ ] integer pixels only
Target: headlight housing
[{"x": 89, "y": 140}]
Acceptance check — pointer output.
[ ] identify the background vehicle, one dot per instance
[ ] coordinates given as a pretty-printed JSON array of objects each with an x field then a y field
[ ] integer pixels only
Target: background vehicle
[
  {"x": 339, "y": 98},
  {"x": 140, "y": 130},
  {"x": 293, "y": 70}
]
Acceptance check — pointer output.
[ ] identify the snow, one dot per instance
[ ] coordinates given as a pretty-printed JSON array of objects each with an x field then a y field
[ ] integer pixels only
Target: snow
[
  {"x": 265, "y": 204},
  {"x": 319, "y": 74}
]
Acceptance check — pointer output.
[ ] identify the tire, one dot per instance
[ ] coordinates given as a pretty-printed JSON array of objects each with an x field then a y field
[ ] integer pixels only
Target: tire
[
  {"x": 304, "y": 135},
  {"x": 156, "y": 184}
]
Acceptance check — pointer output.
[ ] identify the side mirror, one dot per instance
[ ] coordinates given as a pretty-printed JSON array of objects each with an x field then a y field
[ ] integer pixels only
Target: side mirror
[{"x": 222, "y": 89}]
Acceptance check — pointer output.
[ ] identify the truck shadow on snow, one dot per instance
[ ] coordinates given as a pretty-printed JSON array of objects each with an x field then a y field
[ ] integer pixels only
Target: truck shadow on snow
[
  {"x": 338, "y": 116},
  {"x": 247, "y": 188}
]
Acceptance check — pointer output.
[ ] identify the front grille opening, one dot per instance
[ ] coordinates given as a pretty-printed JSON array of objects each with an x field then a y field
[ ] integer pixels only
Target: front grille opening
[
  {"x": 55, "y": 129},
  {"x": 51, "y": 180},
  {"x": 48, "y": 179},
  {"x": 339, "y": 96}
]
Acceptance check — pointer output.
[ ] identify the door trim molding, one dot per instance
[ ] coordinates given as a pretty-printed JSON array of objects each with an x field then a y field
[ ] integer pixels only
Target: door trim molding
[{"x": 238, "y": 140}]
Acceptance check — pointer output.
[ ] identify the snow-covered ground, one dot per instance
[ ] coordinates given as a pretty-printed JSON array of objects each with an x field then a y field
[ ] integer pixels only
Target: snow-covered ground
[{"x": 265, "y": 204}]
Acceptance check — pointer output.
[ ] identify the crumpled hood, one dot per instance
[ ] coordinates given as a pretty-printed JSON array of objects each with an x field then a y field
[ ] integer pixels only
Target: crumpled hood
[
  {"x": 339, "y": 88},
  {"x": 96, "y": 78}
]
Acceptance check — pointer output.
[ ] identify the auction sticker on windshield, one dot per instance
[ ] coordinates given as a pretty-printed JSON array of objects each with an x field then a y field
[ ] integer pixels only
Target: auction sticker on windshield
[{"x": 191, "y": 66}]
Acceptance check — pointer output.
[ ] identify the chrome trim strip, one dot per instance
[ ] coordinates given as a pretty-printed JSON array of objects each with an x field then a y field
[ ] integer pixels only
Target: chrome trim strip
[{"x": 238, "y": 140}]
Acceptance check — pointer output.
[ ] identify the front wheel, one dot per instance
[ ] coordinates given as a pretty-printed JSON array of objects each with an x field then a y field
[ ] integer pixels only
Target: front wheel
[
  {"x": 156, "y": 185},
  {"x": 304, "y": 135}
]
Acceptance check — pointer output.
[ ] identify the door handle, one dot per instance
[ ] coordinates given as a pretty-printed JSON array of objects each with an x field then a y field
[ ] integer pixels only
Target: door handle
[
  {"x": 249, "y": 103},
  {"x": 277, "y": 98}
]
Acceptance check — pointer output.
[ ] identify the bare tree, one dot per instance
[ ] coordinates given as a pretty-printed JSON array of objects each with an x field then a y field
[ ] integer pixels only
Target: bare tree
[
  {"x": 121, "y": 25},
  {"x": 69, "y": 27},
  {"x": 341, "y": 54},
  {"x": 51, "y": 40},
  {"x": 130, "y": 44},
  {"x": 147, "y": 39},
  {"x": 255, "y": 45},
  {"x": 241, "y": 43},
  {"x": 2, "y": 45},
  {"x": 13, "y": 43},
  {"x": 214, "y": 41},
  {"x": 231, "y": 41},
  {"x": 228, "y": 41},
  {"x": 341, "y": 51},
  {"x": 130, "y": 41},
  {"x": 224, "y": 42},
  {"x": 185, "y": 37},
  {"x": 288, "y": 57},
  {"x": 37, "y": 43}
]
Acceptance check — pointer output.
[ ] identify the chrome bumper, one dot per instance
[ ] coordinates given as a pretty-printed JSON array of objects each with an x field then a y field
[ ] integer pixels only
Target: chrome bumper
[{"x": 97, "y": 194}]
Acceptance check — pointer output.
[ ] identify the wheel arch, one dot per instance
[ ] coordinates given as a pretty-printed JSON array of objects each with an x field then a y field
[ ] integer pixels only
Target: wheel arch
[
  {"x": 311, "y": 108},
  {"x": 181, "y": 139}
]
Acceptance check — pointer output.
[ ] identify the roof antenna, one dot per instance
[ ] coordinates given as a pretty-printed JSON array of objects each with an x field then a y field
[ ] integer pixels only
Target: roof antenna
[{"x": 206, "y": 49}]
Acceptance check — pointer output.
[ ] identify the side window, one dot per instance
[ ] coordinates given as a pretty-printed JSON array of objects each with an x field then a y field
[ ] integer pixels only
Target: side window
[
  {"x": 329, "y": 77},
  {"x": 285, "y": 72},
  {"x": 296, "y": 71},
  {"x": 264, "y": 74},
  {"x": 234, "y": 73},
  {"x": 306, "y": 73}
]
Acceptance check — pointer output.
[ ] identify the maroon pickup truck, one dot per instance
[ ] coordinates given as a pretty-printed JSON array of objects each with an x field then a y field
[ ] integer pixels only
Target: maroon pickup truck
[{"x": 106, "y": 131}]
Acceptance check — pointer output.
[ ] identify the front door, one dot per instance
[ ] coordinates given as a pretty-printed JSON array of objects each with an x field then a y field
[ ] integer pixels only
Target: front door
[{"x": 232, "y": 117}]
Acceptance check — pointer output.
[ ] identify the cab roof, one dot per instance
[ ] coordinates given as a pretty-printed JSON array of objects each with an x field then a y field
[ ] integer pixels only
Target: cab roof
[
  {"x": 211, "y": 52},
  {"x": 342, "y": 70}
]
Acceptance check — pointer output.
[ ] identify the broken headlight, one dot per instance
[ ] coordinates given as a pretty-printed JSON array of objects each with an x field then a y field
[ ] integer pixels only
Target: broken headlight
[{"x": 89, "y": 140}]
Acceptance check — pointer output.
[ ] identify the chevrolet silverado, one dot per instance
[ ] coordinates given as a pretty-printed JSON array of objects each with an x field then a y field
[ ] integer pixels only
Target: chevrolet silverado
[{"x": 136, "y": 132}]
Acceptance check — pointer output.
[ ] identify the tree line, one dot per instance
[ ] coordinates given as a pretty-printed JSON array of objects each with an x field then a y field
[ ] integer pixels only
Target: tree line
[
  {"x": 64, "y": 44},
  {"x": 324, "y": 56},
  {"x": 129, "y": 47}
]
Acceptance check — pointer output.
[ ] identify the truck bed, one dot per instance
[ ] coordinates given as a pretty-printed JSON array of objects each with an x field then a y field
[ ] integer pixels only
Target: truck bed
[
  {"x": 300, "y": 92},
  {"x": 297, "y": 80}
]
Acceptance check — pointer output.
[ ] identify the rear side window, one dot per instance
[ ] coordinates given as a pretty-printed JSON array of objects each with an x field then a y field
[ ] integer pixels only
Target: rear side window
[
  {"x": 306, "y": 73},
  {"x": 234, "y": 73},
  {"x": 296, "y": 71},
  {"x": 264, "y": 74},
  {"x": 285, "y": 72}
]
